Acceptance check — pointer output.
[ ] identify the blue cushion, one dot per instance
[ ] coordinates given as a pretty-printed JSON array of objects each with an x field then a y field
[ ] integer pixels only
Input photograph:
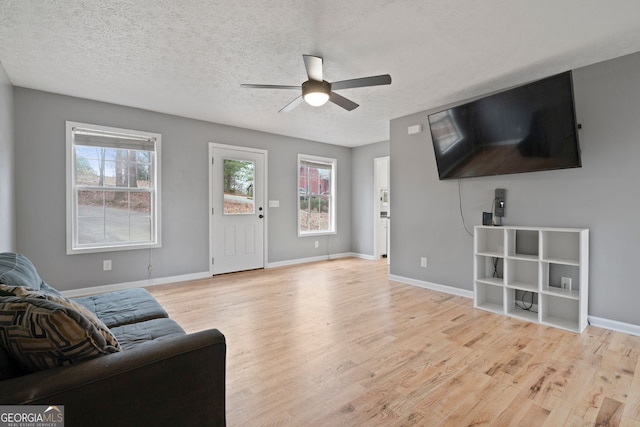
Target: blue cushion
[
  {"x": 18, "y": 270},
  {"x": 122, "y": 307}
]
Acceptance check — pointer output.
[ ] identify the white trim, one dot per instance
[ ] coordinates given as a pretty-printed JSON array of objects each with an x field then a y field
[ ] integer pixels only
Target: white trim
[
  {"x": 138, "y": 284},
  {"x": 433, "y": 286},
  {"x": 364, "y": 256},
  {"x": 377, "y": 204},
  {"x": 307, "y": 260},
  {"x": 237, "y": 148},
  {"x": 614, "y": 325}
]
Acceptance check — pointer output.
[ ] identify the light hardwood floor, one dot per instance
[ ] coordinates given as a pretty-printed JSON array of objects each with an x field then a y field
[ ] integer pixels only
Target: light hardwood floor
[{"x": 336, "y": 343}]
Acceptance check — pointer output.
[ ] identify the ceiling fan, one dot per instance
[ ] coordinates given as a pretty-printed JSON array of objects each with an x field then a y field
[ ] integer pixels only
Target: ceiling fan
[{"x": 317, "y": 91}]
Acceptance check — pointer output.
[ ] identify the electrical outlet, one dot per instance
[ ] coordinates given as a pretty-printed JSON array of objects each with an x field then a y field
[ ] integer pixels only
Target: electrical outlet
[
  {"x": 565, "y": 283},
  {"x": 500, "y": 202},
  {"x": 317, "y": 244},
  {"x": 106, "y": 265},
  {"x": 423, "y": 262}
]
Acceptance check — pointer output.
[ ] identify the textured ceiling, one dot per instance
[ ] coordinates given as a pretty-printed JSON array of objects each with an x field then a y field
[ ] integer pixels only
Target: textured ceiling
[{"x": 188, "y": 57}]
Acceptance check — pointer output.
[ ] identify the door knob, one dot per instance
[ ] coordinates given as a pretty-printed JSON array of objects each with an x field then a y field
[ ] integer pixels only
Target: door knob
[{"x": 260, "y": 216}]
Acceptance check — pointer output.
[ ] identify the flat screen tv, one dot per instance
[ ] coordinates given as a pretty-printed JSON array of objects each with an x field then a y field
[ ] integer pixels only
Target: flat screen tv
[{"x": 524, "y": 129}]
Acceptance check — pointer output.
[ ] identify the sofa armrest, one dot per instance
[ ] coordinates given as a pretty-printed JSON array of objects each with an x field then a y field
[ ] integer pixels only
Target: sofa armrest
[{"x": 174, "y": 382}]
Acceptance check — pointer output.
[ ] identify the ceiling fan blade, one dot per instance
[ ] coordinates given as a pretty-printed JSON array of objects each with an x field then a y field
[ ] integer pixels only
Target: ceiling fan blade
[
  {"x": 269, "y": 86},
  {"x": 290, "y": 106},
  {"x": 313, "y": 64},
  {"x": 383, "y": 79},
  {"x": 343, "y": 102}
]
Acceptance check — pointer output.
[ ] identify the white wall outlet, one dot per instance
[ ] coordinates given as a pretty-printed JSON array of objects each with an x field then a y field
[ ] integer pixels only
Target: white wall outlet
[
  {"x": 317, "y": 244},
  {"x": 423, "y": 262},
  {"x": 106, "y": 265},
  {"x": 565, "y": 282}
]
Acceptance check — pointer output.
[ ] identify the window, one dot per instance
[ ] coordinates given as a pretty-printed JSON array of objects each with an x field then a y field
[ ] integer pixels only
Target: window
[
  {"x": 317, "y": 195},
  {"x": 113, "y": 189}
]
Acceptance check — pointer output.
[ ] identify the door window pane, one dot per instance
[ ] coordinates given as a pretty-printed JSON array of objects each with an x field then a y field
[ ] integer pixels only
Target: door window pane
[{"x": 238, "y": 187}]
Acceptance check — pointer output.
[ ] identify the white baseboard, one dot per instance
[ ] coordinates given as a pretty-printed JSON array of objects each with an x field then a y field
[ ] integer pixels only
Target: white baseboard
[
  {"x": 310, "y": 259},
  {"x": 433, "y": 286},
  {"x": 364, "y": 256},
  {"x": 137, "y": 284},
  {"x": 614, "y": 325}
]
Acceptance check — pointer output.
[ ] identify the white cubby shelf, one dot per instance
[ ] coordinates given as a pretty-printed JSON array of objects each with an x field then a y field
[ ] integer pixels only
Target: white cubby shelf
[{"x": 518, "y": 272}]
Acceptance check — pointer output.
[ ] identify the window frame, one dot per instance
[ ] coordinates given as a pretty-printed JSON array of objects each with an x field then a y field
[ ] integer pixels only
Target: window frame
[
  {"x": 333, "y": 163},
  {"x": 71, "y": 191}
]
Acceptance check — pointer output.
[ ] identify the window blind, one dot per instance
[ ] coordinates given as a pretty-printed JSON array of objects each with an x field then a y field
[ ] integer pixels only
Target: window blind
[{"x": 93, "y": 138}]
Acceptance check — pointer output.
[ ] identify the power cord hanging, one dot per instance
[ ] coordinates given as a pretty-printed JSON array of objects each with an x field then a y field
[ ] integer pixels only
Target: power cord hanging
[
  {"x": 461, "y": 213},
  {"x": 524, "y": 306},
  {"x": 150, "y": 267},
  {"x": 495, "y": 268}
]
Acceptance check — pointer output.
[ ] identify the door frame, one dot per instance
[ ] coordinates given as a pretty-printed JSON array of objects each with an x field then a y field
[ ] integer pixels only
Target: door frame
[
  {"x": 212, "y": 146},
  {"x": 377, "y": 205}
]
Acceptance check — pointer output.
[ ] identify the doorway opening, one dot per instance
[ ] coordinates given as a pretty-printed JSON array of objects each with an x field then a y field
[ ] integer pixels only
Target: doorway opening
[{"x": 381, "y": 208}]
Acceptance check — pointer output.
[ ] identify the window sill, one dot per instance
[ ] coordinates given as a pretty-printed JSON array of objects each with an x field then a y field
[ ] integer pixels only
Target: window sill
[
  {"x": 318, "y": 233},
  {"x": 102, "y": 249}
]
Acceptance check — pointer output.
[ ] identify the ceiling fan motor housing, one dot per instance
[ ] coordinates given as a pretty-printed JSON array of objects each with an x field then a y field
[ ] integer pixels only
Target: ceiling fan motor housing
[{"x": 316, "y": 92}]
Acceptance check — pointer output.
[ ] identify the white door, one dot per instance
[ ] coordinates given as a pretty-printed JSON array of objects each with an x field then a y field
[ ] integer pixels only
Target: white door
[{"x": 237, "y": 182}]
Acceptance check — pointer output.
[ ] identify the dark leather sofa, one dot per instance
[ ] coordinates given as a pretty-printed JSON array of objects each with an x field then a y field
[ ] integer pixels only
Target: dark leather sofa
[{"x": 160, "y": 377}]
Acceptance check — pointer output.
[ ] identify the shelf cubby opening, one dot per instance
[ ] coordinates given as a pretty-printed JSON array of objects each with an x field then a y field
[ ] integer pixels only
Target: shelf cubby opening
[
  {"x": 490, "y": 298},
  {"x": 552, "y": 275},
  {"x": 522, "y": 274},
  {"x": 523, "y": 244},
  {"x": 561, "y": 247},
  {"x": 561, "y": 312},
  {"x": 490, "y": 269},
  {"x": 490, "y": 241},
  {"x": 518, "y": 301}
]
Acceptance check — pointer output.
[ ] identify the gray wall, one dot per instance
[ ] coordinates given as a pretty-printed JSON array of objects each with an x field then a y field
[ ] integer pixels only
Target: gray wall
[
  {"x": 363, "y": 195},
  {"x": 7, "y": 201},
  {"x": 603, "y": 195},
  {"x": 40, "y": 191}
]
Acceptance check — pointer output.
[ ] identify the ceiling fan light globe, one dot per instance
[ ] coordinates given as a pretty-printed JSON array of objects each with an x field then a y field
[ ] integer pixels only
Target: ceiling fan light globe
[
  {"x": 316, "y": 99},
  {"x": 316, "y": 93}
]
